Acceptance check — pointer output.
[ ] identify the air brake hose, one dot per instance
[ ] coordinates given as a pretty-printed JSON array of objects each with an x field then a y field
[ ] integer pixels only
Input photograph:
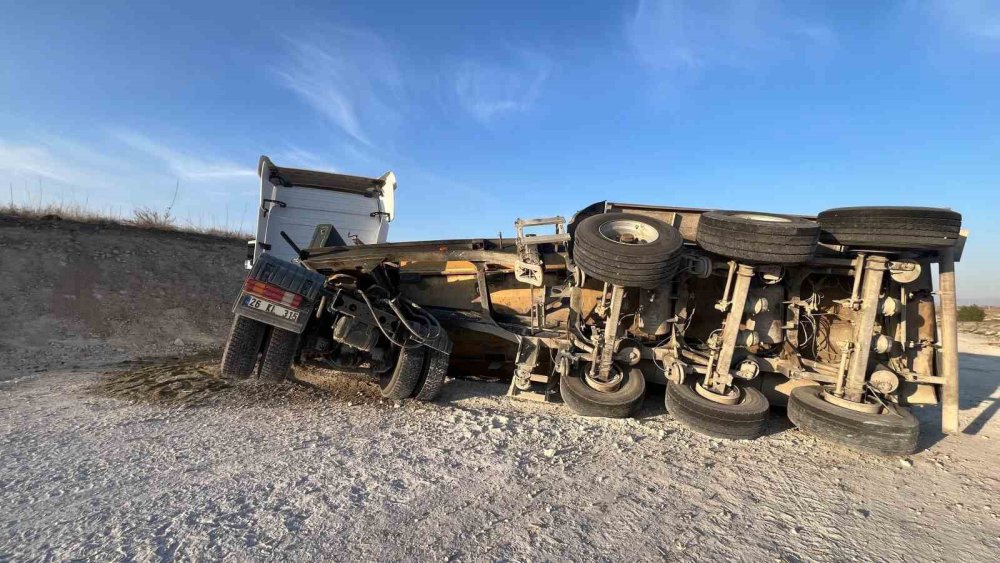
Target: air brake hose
[
  {"x": 379, "y": 324},
  {"x": 416, "y": 335}
]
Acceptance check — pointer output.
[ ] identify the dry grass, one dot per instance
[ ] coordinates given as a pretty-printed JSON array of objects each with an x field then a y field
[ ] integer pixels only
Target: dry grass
[
  {"x": 149, "y": 218},
  {"x": 71, "y": 212},
  {"x": 142, "y": 217}
]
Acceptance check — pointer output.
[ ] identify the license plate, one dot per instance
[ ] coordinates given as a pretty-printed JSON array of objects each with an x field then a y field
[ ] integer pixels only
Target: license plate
[{"x": 268, "y": 307}]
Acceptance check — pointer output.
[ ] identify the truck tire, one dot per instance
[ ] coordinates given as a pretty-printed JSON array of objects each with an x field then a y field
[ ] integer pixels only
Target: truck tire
[
  {"x": 242, "y": 348},
  {"x": 758, "y": 237},
  {"x": 405, "y": 376},
  {"x": 584, "y": 400},
  {"x": 745, "y": 420},
  {"x": 891, "y": 227},
  {"x": 627, "y": 250},
  {"x": 278, "y": 355},
  {"x": 435, "y": 368},
  {"x": 889, "y": 434}
]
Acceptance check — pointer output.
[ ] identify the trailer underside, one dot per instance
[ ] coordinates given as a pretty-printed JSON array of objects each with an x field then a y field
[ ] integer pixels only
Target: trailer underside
[{"x": 732, "y": 311}]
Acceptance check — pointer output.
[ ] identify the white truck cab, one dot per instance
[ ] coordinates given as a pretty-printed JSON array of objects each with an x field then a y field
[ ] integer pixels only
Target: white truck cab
[{"x": 319, "y": 209}]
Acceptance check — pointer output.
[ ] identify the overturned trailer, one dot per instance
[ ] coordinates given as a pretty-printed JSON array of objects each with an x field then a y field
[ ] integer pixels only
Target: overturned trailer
[{"x": 732, "y": 311}]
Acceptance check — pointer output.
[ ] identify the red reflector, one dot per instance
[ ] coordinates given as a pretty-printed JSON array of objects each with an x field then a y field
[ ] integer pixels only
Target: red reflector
[{"x": 273, "y": 293}]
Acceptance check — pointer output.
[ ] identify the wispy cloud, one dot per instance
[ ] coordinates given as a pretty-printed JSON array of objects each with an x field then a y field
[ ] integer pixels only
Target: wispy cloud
[
  {"x": 349, "y": 76},
  {"x": 60, "y": 161},
  {"x": 28, "y": 160},
  {"x": 494, "y": 89},
  {"x": 44, "y": 169},
  {"x": 120, "y": 170},
  {"x": 975, "y": 20},
  {"x": 180, "y": 163},
  {"x": 690, "y": 36},
  {"x": 297, "y": 157}
]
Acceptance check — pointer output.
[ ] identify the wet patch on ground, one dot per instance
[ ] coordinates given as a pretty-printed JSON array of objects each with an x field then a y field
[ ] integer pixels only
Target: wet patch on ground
[{"x": 195, "y": 381}]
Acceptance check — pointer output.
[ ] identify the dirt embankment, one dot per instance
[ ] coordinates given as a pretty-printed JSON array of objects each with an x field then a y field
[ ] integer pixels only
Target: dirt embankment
[{"x": 79, "y": 294}]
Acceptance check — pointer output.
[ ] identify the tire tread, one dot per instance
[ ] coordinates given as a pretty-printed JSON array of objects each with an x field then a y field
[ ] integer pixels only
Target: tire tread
[{"x": 242, "y": 348}]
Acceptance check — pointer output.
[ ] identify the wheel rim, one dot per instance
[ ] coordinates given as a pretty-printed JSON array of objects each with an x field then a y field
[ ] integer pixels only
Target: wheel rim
[
  {"x": 869, "y": 406},
  {"x": 762, "y": 217},
  {"x": 730, "y": 397},
  {"x": 611, "y": 385},
  {"x": 628, "y": 232}
]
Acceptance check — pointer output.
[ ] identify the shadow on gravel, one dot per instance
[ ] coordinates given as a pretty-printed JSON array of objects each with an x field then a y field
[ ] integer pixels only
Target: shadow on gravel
[
  {"x": 195, "y": 381},
  {"x": 465, "y": 387},
  {"x": 979, "y": 382},
  {"x": 652, "y": 404}
]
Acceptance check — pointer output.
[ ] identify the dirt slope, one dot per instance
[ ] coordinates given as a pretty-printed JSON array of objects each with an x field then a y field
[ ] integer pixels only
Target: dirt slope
[{"x": 78, "y": 294}]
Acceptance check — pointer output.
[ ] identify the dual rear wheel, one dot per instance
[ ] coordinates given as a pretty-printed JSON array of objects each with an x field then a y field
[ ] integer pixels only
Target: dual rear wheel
[
  {"x": 419, "y": 371},
  {"x": 418, "y": 374},
  {"x": 254, "y": 344}
]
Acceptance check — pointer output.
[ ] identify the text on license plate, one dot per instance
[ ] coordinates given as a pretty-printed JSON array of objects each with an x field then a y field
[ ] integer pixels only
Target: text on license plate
[{"x": 268, "y": 307}]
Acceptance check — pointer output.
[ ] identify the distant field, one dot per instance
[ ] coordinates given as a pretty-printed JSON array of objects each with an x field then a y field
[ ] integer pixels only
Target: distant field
[{"x": 989, "y": 327}]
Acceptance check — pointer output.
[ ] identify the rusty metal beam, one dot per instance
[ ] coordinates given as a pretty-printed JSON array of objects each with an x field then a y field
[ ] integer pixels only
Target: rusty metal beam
[
  {"x": 871, "y": 287},
  {"x": 731, "y": 328},
  {"x": 611, "y": 331}
]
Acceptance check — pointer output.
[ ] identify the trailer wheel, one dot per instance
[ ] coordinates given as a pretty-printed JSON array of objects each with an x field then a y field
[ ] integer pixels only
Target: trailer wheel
[
  {"x": 435, "y": 368},
  {"x": 744, "y": 420},
  {"x": 758, "y": 237},
  {"x": 585, "y": 400},
  {"x": 242, "y": 348},
  {"x": 278, "y": 355},
  {"x": 405, "y": 376},
  {"x": 891, "y": 227},
  {"x": 892, "y": 432},
  {"x": 627, "y": 250}
]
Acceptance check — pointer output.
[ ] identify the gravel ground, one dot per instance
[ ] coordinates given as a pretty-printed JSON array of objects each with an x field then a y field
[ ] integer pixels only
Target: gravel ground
[{"x": 186, "y": 466}]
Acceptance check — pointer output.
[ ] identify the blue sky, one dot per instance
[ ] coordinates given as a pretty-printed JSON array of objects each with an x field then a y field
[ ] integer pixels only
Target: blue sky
[{"x": 489, "y": 111}]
